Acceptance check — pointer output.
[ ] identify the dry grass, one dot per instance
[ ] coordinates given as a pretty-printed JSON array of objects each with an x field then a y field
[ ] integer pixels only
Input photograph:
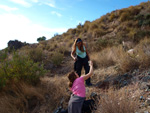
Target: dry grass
[
  {"x": 105, "y": 58},
  {"x": 17, "y": 98},
  {"x": 56, "y": 88},
  {"x": 143, "y": 51},
  {"x": 23, "y": 98},
  {"x": 116, "y": 56},
  {"x": 119, "y": 101}
]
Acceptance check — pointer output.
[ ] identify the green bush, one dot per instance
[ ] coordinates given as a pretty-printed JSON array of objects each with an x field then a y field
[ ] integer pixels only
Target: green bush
[
  {"x": 147, "y": 16},
  {"x": 101, "y": 44},
  {"x": 124, "y": 16},
  {"x": 36, "y": 54},
  {"x": 3, "y": 54},
  {"x": 20, "y": 68},
  {"x": 57, "y": 58}
]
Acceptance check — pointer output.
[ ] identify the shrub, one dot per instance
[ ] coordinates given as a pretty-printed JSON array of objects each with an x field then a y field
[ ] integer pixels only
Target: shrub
[
  {"x": 134, "y": 10},
  {"x": 128, "y": 63},
  {"x": 57, "y": 58},
  {"x": 72, "y": 31},
  {"x": 20, "y": 68},
  {"x": 36, "y": 54},
  {"x": 3, "y": 54},
  {"x": 132, "y": 33},
  {"x": 140, "y": 34},
  {"x": 41, "y": 38},
  {"x": 93, "y": 26},
  {"x": 124, "y": 16},
  {"x": 111, "y": 17},
  {"x": 143, "y": 51},
  {"x": 147, "y": 16},
  {"x": 98, "y": 32},
  {"x": 102, "y": 43}
]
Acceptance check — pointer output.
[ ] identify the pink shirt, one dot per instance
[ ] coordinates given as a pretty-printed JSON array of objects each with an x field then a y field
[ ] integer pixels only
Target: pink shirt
[{"x": 78, "y": 87}]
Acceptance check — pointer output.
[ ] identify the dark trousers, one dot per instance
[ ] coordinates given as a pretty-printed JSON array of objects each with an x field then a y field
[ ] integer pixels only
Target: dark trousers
[{"x": 82, "y": 62}]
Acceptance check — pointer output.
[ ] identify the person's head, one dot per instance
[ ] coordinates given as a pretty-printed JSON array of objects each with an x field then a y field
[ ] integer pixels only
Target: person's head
[
  {"x": 72, "y": 76},
  {"x": 78, "y": 42}
]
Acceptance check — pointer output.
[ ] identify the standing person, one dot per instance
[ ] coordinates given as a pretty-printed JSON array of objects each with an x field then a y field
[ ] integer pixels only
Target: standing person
[
  {"x": 81, "y": 59},
  {"x": 77, "y": 87}
]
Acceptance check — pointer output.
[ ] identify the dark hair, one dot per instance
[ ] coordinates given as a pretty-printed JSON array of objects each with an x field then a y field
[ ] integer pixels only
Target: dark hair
[
  {"x": 71, "y": 77},
  {"x": 78, "y": 40},
  {"x": 81, "y": 47}
]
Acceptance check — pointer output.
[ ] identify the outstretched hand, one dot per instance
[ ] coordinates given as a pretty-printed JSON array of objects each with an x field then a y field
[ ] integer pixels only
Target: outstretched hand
[{"x": 90, "y": 63}]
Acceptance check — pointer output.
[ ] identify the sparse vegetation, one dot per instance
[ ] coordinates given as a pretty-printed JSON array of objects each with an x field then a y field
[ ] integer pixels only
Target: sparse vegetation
[
  {"x": 118, "y": 101},
  {"x": 57, "y": 58},
  {"x": 21, "y": 70}
]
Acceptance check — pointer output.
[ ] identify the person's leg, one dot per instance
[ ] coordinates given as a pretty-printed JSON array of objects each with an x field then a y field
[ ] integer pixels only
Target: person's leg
[
  {"x": 87, "y": 69},
  {"x": 78, "y": 66}
]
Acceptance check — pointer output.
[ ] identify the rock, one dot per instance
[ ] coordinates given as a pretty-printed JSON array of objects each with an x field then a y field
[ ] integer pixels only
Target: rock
[
  {"x": 148, "y": 101},
  {"x": 15, "y": 44}
]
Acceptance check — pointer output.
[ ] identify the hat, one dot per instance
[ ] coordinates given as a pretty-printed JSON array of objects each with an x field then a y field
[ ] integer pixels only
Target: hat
[{"x": 78, "y": 40}]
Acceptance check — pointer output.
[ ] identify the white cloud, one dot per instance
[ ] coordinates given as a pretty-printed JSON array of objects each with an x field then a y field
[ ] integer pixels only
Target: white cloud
[
  {"x": 7, "y": 8},
  {"x": 50, "y": 4},
  {"x": 56, "y": 13},
  {"x": 22, "y": 2},
  {"x": 21, "y": 28}
]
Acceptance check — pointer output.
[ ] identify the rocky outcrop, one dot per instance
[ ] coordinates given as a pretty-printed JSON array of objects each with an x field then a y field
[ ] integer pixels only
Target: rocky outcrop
[{"x": 15, "y": 44}]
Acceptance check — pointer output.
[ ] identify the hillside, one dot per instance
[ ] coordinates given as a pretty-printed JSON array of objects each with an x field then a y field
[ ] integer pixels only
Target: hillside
[{"x": 33, "y": 77}]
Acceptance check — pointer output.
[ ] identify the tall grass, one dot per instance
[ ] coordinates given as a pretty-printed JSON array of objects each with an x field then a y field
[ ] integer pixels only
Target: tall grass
[
  {"x": 119, "y": 101},
  {"x": 56, "y": 88},
  {"x": 20, "y": 98},
  {"x": 123, "y": 60}
]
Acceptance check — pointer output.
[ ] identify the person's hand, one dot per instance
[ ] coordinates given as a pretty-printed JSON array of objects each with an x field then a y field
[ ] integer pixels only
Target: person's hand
[
  {"x": 75, "y": 59},
  {"x": 90, "y": 63}
]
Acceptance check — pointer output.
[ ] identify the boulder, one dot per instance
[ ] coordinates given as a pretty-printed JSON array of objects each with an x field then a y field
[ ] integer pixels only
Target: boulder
[{"x": 15, "y": 44}]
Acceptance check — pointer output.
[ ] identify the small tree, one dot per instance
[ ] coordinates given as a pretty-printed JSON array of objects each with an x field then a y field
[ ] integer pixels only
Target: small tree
[{"x": 41, "y": 38}]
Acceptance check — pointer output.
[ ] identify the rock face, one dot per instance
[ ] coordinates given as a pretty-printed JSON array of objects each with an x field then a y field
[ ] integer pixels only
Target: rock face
[{"x": 15, "y": 44}]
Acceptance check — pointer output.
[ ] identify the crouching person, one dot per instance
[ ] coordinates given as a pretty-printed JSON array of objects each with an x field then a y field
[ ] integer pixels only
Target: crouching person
[{"x": 77, "y": 87}]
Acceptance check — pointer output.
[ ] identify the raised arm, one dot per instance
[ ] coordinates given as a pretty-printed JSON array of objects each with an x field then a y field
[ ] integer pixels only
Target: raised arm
[{"x": 85, "y": 77}]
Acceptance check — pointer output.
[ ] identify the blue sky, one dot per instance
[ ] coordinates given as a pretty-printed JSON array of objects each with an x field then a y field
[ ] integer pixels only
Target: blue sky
[{"x": 27, "y": 20}]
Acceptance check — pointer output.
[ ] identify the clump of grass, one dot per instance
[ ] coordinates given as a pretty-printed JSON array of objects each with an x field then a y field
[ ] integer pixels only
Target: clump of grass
[
  {"x": 98, "y": 32},
  {"x": 111, "y": 17},
  {"x": 20, "y": 98},
  {"x": 57, "y": 58},
  {"x": 104, "y": 59},
  {"x": 36, "y": 54},
  {"x": 118, "y": 101},
  {"x": 128, "y": 63},
  {"x": 124, "y": 16},
  {"x": 143, "y": 53}
]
